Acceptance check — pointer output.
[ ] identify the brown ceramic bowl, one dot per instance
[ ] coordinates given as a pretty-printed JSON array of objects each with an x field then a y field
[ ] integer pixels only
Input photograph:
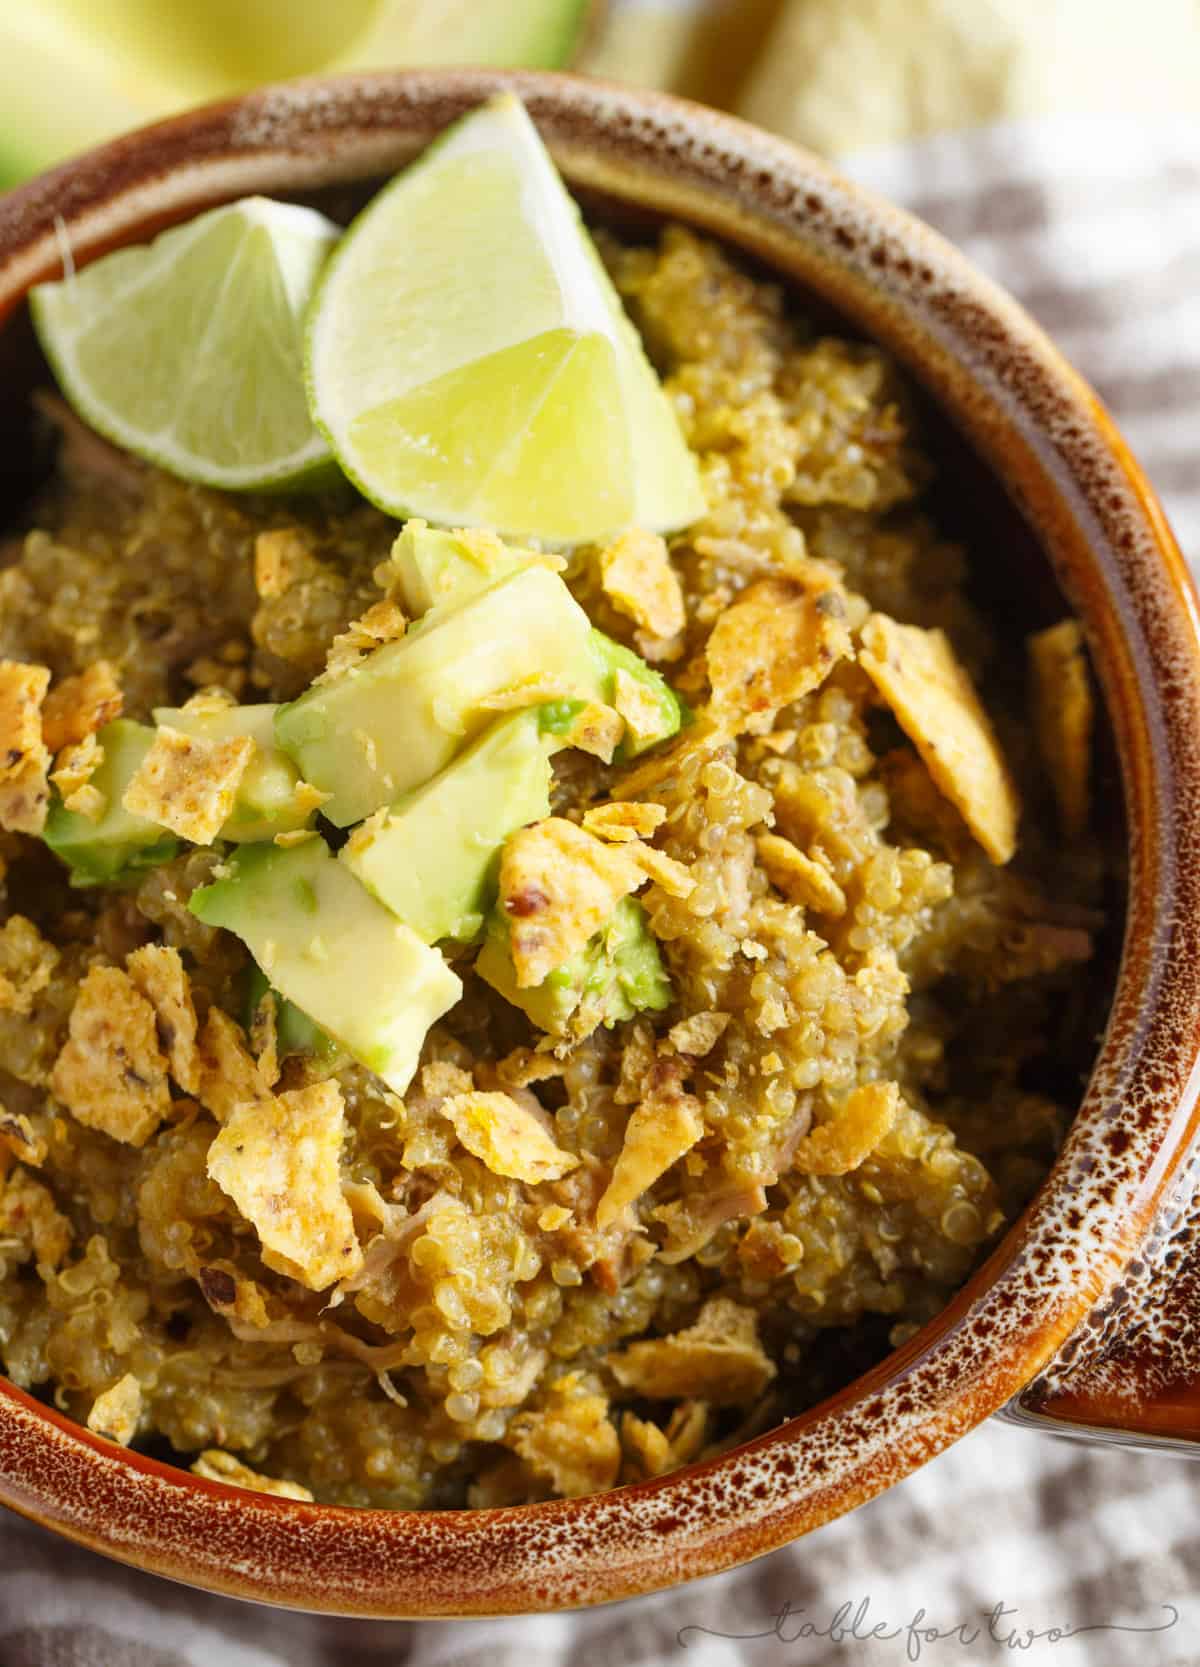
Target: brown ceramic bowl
[{"x": 1059, "y": 482}]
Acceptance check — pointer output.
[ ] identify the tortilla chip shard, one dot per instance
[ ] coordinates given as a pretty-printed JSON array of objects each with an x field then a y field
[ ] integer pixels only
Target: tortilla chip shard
[
  {"x": 934, "y": 701},
  {"x": 278, "y": 1159}
]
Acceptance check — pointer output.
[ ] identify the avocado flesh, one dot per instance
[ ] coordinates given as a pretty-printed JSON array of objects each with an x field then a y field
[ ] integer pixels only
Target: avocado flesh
[
  {"x": 266, "y": 796},
  {"x": 446, "y": 569},
  {"x": 435, "y": 567},
  {"x": 609, "y": 657},
  {"x": 329, "y": 947},
  {"x": 119, "y": 846},
  {"x": 617, "y": 974},
  {"x": 295, "y": 1032},
  {"x": 399, "y": 717},
  {"x": 431, "y": 858}
]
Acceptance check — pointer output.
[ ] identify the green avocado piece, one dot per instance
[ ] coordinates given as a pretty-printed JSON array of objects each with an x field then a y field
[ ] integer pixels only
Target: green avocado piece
[
  {"x": 432, "y": 856},
  {"x": 266, "y": 797},
  {"x": 119, "y": 846},
  {"x": 329, "y": 947},
  {"x": 434, "y": 567},
  {"x": 664, "y": 708},
  {"x": 441, "y": 569},
  {"x": 616, "y": 974},
  {"x": 399, "y": 717},
  {"x": 295, "y": 1032}
]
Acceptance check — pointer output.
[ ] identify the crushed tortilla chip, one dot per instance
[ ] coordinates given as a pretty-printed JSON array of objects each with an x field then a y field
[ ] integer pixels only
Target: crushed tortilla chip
[
  {"x": 116, "y": 1411},
  {"x": 80, "y": 705},
  {"x": 637, "y": 706},
  {"x": 637, "y": 1059},
  {"x": 526, "y": 1065},
  {"x": 851, "y": 1134},
  {"x": 526, "y": 691},
  {"x": 279, "y": 1160},
  {"x": 383, "y": 622},
  {"x": 665, "y": 1125},
  {"x": 111, "y": 1074},
  {"x": 507, "y": 1137},
  {"x": 779, "y": 640},
  {"x": 645, "y": 1444},
  {"x": 264, "y": 1038},
  {"x": 718, "y": 1359},
  {"x": 227, "y": 1292},
  {"x": 24, "y": 757},
  {"x": 558, "y": 886},
  {"x": 19, "y": 1137},
  {"x": 157, "y": 972},
  {"x": 596, "y": 729},
  {"x": 229, "y": 1074},
  {"x": 657, "y": 1451},
  {"x": 210, "y": 702},
  {"x": 698, "y": 1034},
  {"x": 1063, "y": 716},
  {"x": 656, "y": 865},
  {"x": 29, "y": 1214},
  {"x": 571, "y": 1441},
  {"x": 637, "y": 576},
  {"x": 73, "y": 770},
  {"x": 188, "y": 783},
  {"x": 281, "y": 558},
  {"x": 27, "y": 963},
  {"x": 624, "y": 819},
  {"x": 919, "y": 676},
  {"x": 217, "y": 1466},
  {"x": 800, "y": 878}
]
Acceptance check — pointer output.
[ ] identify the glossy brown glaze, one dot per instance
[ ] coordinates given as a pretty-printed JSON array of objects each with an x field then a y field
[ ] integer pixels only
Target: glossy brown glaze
[{"x": 1038, "y": 426}]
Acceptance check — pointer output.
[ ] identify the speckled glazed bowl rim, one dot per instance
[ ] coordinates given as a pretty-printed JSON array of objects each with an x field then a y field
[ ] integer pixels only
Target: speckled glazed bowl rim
[{"x": 1045, "y": 434}]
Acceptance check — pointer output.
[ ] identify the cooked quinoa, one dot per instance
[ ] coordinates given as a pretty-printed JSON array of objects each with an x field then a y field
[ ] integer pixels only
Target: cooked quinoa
[{"x": 588, "y": 1263}]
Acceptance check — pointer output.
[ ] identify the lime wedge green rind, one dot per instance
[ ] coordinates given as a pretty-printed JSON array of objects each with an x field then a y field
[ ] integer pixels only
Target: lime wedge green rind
[
  {"x": 469, "y": 361},
  {"x": 187, "y": 351}
]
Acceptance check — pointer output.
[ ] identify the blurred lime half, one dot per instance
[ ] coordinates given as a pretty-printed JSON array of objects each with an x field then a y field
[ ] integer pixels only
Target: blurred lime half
[
  {"x": 188, "y": 350},
  {"x": 469, "y": 359}
]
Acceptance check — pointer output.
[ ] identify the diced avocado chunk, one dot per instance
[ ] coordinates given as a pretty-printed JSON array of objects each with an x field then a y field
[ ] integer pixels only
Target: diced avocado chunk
[
  {"x": 391, "y": 722},
  {"x": 435, "y": 568},
  {"x": 266, "y": 798},
  {"x": 329, "y": 947},
  {"x": 609, "y": 658},
  {"x": 616, "y": 974},
  {"x": 295, "y": 1032},
  {"x": 445, "y": 569},
  {"x": 432, "y": 856},
  {"x": 118, "y": 846}
]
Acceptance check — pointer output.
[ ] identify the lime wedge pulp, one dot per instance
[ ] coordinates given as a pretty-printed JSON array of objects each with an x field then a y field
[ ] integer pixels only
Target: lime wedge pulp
[
  {"x": 188, "y": 350},
  {"x": 469, "y": 360}
]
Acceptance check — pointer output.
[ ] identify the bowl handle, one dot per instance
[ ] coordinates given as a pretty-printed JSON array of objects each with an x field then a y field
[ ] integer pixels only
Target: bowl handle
[{"x": 1132, "y": 1374}]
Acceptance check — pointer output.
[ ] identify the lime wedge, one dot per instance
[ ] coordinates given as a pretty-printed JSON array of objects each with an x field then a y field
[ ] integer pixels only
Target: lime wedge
[
  {"x": 469, "y": 360},
  {"x": 188, "y": 350}
]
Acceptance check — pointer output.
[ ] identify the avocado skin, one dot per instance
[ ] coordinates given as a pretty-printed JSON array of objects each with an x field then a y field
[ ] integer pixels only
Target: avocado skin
[
  {"x": 619, "y": 972},
  {"x": 120, "y": 847}
]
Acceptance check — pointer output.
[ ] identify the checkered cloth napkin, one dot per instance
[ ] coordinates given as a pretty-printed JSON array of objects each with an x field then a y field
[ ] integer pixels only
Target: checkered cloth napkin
[{"x": 1058, "y": 142}]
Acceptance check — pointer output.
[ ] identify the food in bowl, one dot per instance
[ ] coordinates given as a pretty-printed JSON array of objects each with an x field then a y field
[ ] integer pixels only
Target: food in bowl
[{"x": 490, "y": 1014}]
